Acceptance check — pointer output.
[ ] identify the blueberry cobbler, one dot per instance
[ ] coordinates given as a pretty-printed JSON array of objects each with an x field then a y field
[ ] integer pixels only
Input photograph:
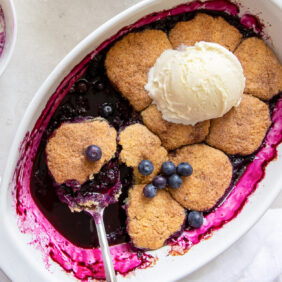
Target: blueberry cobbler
[{"x": 168, "y": 125}]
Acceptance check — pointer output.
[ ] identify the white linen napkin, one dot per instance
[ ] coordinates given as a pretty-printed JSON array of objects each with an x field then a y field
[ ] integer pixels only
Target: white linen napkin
[{"x": 256, "y": 257}]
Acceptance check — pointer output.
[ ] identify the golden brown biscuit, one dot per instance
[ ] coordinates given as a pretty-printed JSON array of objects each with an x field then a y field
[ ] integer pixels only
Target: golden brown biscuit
[
  {"x": 171, "y": 134},
  {"x": 205, "y": 28},
  {"x": 65, "y": 150},
  {"x": 129, "y": 61},
  {"x": 138, "y": 143},
  {"x": 261, "y": 67},
  {"x": 242, "y": 129},
  {"x": 152, "y": 221},
  {"x": 212, "y": 173}
]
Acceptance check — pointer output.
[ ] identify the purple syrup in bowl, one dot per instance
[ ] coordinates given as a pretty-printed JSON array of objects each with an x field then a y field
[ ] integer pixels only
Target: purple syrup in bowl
[
  {"x": 70, "y": 239},
  {"x": 2, "y": 31}
]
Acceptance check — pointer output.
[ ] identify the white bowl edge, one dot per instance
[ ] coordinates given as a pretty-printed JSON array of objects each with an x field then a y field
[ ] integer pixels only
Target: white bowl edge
[{"x": 11, "y": 33}]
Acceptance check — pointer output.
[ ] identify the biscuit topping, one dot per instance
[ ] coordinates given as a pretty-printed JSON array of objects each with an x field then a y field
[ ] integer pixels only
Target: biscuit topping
[
  {"x": 65, "y": 150},
  {"x": 204, "y": 27},
  {"x": 212, "y": 173},
  {"x": 174, "y": 135},
  {"x": 241, "y": 130},
  {"x": 262, "y": 68},
  {"x": 129, "y": 61},
  {"x": 152, "y": 221},
  {"x": 138, "y": 144}
]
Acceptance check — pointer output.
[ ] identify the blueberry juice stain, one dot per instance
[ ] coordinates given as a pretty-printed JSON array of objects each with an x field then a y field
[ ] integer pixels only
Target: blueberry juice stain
[{"x": 94, "y": 96}]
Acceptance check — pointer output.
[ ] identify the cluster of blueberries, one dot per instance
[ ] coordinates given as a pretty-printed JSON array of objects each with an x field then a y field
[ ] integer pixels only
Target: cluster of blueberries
[{"x": 171, "y": 177}]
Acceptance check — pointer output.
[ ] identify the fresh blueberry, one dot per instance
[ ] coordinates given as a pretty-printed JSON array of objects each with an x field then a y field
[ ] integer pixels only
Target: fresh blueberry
[
  {"x": 72, "y": 90},
  {"x": 93, "y": 153},
  {"x": 81, "y": 86},
  {"x": 107, "y": 110},
  {"x": 95, "y": 81},
  {"x": 195, "y": 219},
  {"x": 174, "y": 181},
  {"x": 150, "y": 191},
  {"x": 145, "y": 167},
  {"x": 184, "y": 169},
  {"x": 168, "y": 168},
  {"x": 159, "y": 181},
  {"x": 100, "y": 86}
]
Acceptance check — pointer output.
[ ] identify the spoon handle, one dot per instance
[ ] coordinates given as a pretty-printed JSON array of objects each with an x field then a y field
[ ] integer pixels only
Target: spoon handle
[{"x": 108, "y": 264}]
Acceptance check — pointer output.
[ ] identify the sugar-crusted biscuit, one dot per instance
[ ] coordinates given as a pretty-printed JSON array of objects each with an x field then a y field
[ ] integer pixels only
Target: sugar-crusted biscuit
[
  {"x": 139, "y": 143},
  {"x": 129, "y": 61},
  {"x": 205, "y": 28},
  {"x": 261, "y": 67},
  {"x": 65, "y": 150},
  {"x": 212, "y": 173},
  {"x": 242, "y": 129},
  {"x": 152, "y": 221},
  {"x": 174, "y": 135}
]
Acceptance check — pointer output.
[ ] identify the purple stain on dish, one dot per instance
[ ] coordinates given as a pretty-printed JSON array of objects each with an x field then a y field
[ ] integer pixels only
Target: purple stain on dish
[
  {"x": 252, "y": 22},
  {"x": 77, "y": 253},
  {"x": 223, "y": 6},
  {"x": 2, "y": 31}
]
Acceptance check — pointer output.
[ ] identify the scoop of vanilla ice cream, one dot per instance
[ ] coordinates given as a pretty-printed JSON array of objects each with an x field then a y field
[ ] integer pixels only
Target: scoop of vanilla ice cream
[{"x": 196, "y": 83}]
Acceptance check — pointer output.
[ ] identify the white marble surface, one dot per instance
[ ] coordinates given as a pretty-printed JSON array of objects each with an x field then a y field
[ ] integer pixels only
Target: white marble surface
[{"x": 47, "y": 31}]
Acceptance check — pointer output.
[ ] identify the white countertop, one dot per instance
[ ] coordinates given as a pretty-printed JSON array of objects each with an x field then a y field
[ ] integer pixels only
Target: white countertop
[{"x": 47, "y": 31}]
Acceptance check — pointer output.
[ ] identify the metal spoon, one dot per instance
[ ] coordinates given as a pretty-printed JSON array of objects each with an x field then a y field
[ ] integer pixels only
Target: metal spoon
[
  {"x": 95, "y": 207},
  {"x": 103, "y": 242}
]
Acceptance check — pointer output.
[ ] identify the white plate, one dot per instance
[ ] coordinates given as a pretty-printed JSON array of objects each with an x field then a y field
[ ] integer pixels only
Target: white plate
[
  {"x": 22, "y": 262},
  {"x": 11, "y": 33}
]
